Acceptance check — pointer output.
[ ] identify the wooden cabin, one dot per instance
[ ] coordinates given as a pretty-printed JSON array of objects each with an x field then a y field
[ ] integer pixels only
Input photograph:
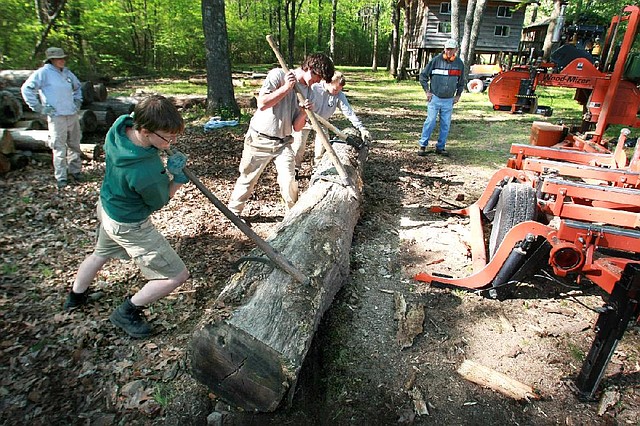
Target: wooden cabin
[{"x": 498, "y": 39}]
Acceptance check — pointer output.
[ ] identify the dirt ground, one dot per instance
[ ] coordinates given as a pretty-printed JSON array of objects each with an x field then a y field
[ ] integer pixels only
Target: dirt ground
[{"x": 77, "y": 369}]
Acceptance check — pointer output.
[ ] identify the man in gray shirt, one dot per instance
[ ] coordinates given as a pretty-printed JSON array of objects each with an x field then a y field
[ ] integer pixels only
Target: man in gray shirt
[{"x": 269, "y": 136}]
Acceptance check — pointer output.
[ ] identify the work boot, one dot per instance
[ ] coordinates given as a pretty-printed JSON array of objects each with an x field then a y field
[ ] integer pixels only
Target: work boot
[
  {"x": 78, "y": 177},
  {"x": 62, "y": 183},
  {"x": 75, "y": 300},
  {"x": 130, "y": 318},
  {"x": 442, "y": 152},
  {"x": 423, "y": 151}
]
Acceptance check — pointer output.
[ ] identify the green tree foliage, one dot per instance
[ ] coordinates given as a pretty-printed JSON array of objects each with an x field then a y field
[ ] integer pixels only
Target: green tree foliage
[{"x": 133, "y": 37}]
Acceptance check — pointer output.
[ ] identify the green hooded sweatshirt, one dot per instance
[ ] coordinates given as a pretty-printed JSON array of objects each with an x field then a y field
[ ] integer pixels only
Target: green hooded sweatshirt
[{"x": 135, "y": 181}]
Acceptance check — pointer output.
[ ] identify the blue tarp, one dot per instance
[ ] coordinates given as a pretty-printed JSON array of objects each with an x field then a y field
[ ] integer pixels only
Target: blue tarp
[{"x": 216, "y": 123}]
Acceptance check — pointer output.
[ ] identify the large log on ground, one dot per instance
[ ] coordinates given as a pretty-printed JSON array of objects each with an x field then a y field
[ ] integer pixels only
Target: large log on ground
[
  {"x": 38, "y": 124},
  {"x": 7, "y": 145},
  {"x": 10, "y": 109},
  {"x": 14, "y": 78},
  {"x": 99, "y": 92},
  {"x": 37, "y": 141},
  {"x": 88, "y": 95},
  {"x": 88, "y": 121},
  {"x": 251, "y": 343},
  {"x": 30, "y": 140},
  {"x": 17, "y": 93},
  {"x": 105, "y": 118},
  {"x": 5, "y": 164},
  {"x": 119, "y": 107}
]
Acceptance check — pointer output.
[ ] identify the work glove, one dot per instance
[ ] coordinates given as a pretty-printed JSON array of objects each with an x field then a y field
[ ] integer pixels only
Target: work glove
[
  {"x": 78, "y": 103},
  {"x": 365, "y": 135},
  {"x": 175, "y": 166}
]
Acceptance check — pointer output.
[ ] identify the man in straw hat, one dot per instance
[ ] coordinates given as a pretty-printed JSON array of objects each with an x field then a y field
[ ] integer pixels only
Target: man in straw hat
[{"x": 53, "y": 90}]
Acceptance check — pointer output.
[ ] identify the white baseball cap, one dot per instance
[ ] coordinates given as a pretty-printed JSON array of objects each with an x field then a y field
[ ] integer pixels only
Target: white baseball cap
[{"x": 451, "y": 44}]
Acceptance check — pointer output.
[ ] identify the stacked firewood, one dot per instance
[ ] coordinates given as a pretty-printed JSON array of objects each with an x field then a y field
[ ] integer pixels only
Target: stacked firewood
[{"x": 24, "y": 134}]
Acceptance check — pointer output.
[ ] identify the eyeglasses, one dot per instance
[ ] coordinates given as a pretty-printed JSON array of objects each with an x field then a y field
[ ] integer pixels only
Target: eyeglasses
[{"x": 165, "y": 139}]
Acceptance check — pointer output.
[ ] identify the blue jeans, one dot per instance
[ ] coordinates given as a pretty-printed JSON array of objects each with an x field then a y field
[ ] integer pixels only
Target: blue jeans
[{"x": 444, "y": 107}]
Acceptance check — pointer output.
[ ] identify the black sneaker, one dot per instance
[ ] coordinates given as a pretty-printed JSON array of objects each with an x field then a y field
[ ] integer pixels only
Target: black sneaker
[
  {"x": 442, "y": 152},
  {"x": 423, "y": 151},
  {"x": 78, "y": 177},
  {"x": 75, "y": 300},
  {"x": 62, "y": 183},
  {"x": 130, "y": 318}
]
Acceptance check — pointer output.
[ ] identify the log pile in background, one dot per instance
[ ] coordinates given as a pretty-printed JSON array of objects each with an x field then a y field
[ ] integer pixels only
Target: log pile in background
[
  {"x": 251, "y": 342},
  {"x": 24, "y": 132}
]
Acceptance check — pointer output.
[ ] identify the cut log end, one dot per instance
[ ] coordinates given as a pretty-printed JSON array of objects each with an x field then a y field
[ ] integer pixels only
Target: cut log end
[{"x": 239, "y": 367}]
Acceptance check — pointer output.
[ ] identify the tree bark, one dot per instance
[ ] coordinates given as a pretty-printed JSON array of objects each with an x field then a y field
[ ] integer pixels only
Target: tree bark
[
  {"x": 376, "y": 25},
  {"x": 473, "y": 37},
  {"x": 37, "y": 141},
  {"x": 553, "y": 21},
  {"x": 88, "y": 121},
  {"x": 220, "y": 96},
  {"x": 104, "y": 119},
  {"x": 36, "y": 124},
  {"x": 332, "y": 34},
  {"x": 455, "y": 20},
  {"x": 395, "y": 39},
  {"x": 14, "y": 78},
  {"x": 5, "y": 164},
  {"x": 119, "y": 107},
  {"x": 88, "y": 95},
  {"x": 7, "y": 145},
  {"x": 468, "y": 23},
  {"x": 100, "y": 92},
  {"x": 10, "y": 109},
  {"x": 250, "y": 345}
]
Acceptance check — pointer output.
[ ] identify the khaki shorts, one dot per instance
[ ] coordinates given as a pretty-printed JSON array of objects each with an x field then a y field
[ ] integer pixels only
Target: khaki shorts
[{"x": 140, "y": 242}]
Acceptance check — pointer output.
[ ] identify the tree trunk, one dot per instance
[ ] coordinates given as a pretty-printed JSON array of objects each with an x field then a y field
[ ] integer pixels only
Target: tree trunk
[
  {"x": 376, "y": 22},
  {"x": 251, "y": 343},
  {"x": 220, "y": 97},
  {"x": 455, "y": 20},
  {"x": 395, "y": 39},
  {"x": 473, "y": 37},
  {"x": 10, "y": 109},
  {"x": 553, "y": 21},
  {"x": 320, "y": 21},
  {"x": 466, "y": 35},
  {"x": 404, "y": 49},
  {"x": 332, "y": 36}
]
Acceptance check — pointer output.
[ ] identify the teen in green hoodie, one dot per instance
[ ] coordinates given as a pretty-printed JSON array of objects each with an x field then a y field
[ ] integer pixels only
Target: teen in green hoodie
[{"x": 135, "y": 185}]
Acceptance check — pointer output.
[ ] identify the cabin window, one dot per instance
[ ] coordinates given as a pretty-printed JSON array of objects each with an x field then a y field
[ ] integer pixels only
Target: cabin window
[
  {"x": 445, "y": 8},
  {"x": 444, "y": 27},
  {"x": 504, "y": 12},
  {"x": 502, "y": 30}
]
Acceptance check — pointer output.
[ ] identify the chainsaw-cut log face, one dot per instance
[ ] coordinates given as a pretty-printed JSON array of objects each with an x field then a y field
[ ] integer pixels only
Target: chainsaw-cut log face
[{"x": 250, "y": 346}]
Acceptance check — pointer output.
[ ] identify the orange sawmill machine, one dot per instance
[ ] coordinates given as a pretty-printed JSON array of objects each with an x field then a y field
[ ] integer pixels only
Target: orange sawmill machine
[{"x": 566, "y": 203}]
